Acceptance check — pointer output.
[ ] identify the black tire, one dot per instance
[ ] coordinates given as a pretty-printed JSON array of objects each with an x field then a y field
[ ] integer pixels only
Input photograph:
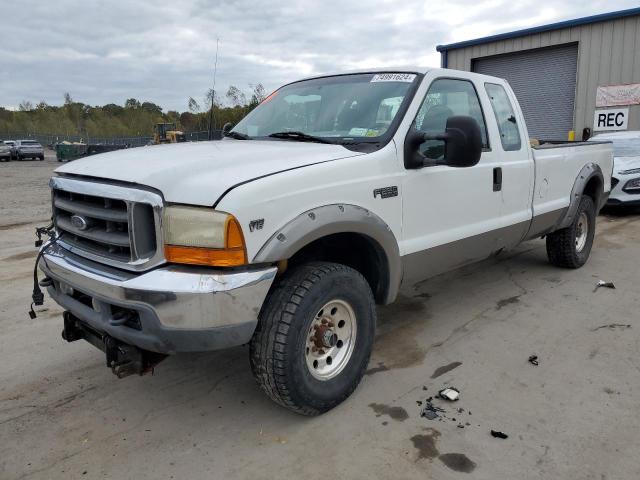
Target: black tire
[
  {"x": 279, "y": 346},
  {"x": 41, "y": 157},
  {"x": 562, "y": 248}
]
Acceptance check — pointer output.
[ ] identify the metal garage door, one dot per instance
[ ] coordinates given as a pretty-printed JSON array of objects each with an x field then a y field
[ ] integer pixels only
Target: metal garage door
[{"x": 544, "y": 80}]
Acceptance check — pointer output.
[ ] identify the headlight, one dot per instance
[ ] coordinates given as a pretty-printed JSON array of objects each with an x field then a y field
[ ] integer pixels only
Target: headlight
[
  {"x": 632, "y": 185},
  {"x": 203, "y": 236}
]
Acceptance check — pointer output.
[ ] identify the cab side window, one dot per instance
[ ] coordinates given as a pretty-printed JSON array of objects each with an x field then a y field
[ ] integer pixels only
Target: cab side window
[
  {"x": 506, "y": 119},
  {"x": 445, "y": 98}
]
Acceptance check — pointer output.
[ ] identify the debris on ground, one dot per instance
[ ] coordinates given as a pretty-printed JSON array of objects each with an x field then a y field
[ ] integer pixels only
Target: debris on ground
[
  {"x": 602, "y": 283},
  {"x": 533, "y": 360},
  {"x": 430, "y": 411},
  {"x": 449, "y": 393},
  {"x": 498, "y": 434},
  {"x": 612, "y": 326}
]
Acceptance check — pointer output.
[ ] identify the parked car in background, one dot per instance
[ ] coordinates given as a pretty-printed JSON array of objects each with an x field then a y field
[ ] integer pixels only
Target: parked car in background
[
  {"x": 29, "y": 149},
  {"x": 12, "y": 148},
  {"x": 5, "y": 152},
  {"x": 625, "y": 182}
]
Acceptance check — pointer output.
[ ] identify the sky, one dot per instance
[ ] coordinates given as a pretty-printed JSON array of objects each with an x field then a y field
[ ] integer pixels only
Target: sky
[{"x": 163, "y": 51}]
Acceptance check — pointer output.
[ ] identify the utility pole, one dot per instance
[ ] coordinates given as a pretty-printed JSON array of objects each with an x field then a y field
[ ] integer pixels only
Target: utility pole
[{"x": 213, "y": 93}]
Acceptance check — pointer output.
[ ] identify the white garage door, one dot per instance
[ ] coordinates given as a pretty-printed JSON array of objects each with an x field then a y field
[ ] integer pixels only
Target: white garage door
[{"x": 544, "y": 80}]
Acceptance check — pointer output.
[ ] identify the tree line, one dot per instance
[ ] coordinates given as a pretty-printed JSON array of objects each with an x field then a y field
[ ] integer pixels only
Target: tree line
[{"x": 133, "y": 119}]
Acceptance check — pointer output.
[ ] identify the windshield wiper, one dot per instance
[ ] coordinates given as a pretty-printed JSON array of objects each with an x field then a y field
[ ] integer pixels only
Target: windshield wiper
[
  {"x": 237, "y": 135},
  {"x": 299, "y": 136}
]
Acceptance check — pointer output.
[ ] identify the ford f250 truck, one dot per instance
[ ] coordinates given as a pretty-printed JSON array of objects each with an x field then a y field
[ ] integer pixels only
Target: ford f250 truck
[{"x": 324, "y": 201}]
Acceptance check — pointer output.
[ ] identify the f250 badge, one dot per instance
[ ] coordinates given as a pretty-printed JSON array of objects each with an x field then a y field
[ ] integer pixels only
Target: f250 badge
[{"x": 386, "y": 192}]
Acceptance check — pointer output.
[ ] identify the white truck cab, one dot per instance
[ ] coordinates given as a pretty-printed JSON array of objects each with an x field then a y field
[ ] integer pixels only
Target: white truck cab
[{"x": 326, "y": 199}]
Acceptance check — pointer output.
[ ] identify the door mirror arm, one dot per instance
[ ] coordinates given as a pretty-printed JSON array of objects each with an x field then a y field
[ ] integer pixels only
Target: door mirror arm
[{"x": 413, "y": 157}]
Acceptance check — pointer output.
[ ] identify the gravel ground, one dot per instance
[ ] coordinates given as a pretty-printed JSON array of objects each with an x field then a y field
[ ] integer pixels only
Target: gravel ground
[{"x": 574, "y": 416}]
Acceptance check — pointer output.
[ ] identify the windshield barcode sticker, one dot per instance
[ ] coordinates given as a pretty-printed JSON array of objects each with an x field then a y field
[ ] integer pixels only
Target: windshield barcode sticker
[{"x": 393, "y": 77}]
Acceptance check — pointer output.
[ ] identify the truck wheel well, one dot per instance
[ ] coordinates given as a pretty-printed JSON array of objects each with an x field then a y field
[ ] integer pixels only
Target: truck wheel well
[
  {"x": 355, "y": 250},
  {"x": 593, "y": 189}
]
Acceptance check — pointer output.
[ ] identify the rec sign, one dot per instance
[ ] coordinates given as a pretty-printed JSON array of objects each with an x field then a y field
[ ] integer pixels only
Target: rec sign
[{"x": 611, "y": 119}]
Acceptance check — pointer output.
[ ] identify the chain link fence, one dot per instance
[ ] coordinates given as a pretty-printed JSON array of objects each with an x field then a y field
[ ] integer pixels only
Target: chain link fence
[{"x": 52, "y": 140}]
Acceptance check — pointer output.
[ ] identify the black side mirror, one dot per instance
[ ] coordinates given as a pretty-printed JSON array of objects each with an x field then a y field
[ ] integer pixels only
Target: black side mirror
[
  {"x": 463, "y": 144},
  {"x": 226, "y": 128}
]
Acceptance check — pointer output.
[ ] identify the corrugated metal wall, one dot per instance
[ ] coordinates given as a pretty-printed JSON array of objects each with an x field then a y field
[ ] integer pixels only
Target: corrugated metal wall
[
  {"x": 608, "y": 54},
  {"x": 547, "y": 101}
]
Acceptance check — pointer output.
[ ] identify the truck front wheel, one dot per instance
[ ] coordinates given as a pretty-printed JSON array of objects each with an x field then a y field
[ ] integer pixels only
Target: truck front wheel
[
  {"x": 314, "y": 337},
  {"x": 571, "y": 246}
]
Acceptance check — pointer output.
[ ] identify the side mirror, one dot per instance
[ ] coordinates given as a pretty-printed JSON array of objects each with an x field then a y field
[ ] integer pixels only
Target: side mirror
[
  {"x": 226, "y": 128},
  {"x": 463, "y": 144}
]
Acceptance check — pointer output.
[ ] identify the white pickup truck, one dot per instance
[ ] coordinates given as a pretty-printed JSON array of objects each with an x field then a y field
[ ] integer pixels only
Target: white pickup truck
[{"x": 326, "y": 199}]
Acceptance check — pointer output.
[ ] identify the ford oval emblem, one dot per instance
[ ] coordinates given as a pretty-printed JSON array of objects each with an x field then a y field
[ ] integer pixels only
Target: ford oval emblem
[{"x": 79, "y": 222}]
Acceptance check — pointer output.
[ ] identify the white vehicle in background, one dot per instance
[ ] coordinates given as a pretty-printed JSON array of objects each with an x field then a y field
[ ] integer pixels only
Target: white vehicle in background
[{"x": 625, "y": 182}]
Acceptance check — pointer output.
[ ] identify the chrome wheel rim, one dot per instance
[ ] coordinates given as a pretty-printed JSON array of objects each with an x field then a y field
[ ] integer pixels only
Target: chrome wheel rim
[
  {"x": 582, "y": 230},
  {"x": 330, "y": 340}
]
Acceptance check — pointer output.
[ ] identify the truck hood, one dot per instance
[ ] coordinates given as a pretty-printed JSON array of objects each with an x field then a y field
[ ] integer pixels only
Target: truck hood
[{"x": 200, "y": 173}]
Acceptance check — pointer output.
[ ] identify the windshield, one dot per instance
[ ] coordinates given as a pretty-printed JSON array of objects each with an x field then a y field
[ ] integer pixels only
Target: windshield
[
  {"x": 345, "y": 108},
  {"x": 28, "y": 142}
]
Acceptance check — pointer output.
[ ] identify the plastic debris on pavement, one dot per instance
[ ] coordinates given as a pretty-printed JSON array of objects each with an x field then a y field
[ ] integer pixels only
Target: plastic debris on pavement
[
  {"x": 449, "y": 393},
  {"x": 602, "y": 283},
  {"x": 533, "y": 360},
  {"x": 498, "y": 434},
  {"x": 430, "y": 411}
]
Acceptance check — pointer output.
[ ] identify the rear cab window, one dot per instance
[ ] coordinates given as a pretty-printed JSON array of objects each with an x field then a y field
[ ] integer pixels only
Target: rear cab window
[{"x": 505, "y": 117}]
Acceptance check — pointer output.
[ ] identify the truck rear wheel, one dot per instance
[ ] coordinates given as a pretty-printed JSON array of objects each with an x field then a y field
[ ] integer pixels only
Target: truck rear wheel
[
  {"x": 571, "y": 246},
  {"x": 314, "y": 337}
]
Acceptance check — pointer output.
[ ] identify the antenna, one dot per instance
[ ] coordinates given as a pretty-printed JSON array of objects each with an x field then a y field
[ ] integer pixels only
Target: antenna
[{"x": 213, "y": 92}]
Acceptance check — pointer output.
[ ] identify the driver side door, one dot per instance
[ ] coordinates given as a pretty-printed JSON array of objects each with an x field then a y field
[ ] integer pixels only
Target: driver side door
[{"x": 449, "y": 214}]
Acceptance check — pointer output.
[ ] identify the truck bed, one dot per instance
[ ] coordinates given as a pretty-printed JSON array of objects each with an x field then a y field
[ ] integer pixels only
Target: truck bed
[{"x": 558, "y": 165}]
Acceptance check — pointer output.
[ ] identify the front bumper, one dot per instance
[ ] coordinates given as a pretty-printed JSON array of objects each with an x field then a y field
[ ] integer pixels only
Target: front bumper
[
  {"x": 167, "y": 310},
  {"x": 621, "y": 197}
]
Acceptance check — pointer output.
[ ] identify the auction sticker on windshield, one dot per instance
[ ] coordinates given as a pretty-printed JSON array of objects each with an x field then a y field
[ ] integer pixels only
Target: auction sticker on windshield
[{"x": 393, "y": 77}]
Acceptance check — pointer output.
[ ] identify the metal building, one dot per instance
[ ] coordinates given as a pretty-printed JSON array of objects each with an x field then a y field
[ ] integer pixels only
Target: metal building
[{"x": 558, "y": 70}]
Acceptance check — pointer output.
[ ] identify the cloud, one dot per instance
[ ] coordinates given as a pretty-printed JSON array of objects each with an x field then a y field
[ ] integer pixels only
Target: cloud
[{"x": 104, "y": 52}]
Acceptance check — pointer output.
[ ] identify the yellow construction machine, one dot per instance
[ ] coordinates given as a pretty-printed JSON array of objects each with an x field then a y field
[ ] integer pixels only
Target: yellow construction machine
[{"x": 167, "y": 133}]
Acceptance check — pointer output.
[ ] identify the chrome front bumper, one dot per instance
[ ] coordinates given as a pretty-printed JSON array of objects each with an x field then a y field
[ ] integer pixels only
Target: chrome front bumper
[{"x": 176, "y": 308}]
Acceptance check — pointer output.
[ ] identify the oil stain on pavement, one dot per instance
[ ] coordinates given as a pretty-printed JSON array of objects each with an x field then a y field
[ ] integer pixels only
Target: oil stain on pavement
[
  {"x": 445, "y": 368},
  {"x": 425, "y": 444},
  {"x": 396, "y": 413}
]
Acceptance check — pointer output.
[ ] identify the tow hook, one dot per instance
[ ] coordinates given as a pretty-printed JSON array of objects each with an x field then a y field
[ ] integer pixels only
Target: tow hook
[{"x": 123, "y": 359}]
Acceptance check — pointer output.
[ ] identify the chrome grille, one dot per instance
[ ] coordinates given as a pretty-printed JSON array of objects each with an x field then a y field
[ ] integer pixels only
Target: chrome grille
[{"x": 112, "y": 224}]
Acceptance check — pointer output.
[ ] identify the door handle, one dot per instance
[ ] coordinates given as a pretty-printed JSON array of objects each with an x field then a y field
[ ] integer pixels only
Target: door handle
[{"x": 497, "y": 179}]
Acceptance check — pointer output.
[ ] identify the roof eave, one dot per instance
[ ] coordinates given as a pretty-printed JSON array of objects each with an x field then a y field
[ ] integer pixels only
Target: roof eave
[{"x": 602, "y": 17}]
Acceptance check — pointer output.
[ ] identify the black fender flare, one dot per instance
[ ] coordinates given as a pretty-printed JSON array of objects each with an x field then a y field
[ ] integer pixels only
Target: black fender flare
[{"x": 588, "y": 172}]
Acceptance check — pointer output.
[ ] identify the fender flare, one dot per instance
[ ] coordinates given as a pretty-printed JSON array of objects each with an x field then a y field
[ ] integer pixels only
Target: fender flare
[
  {"x": 588, "y": 172},
  {"x": 331, "y": 219}
]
